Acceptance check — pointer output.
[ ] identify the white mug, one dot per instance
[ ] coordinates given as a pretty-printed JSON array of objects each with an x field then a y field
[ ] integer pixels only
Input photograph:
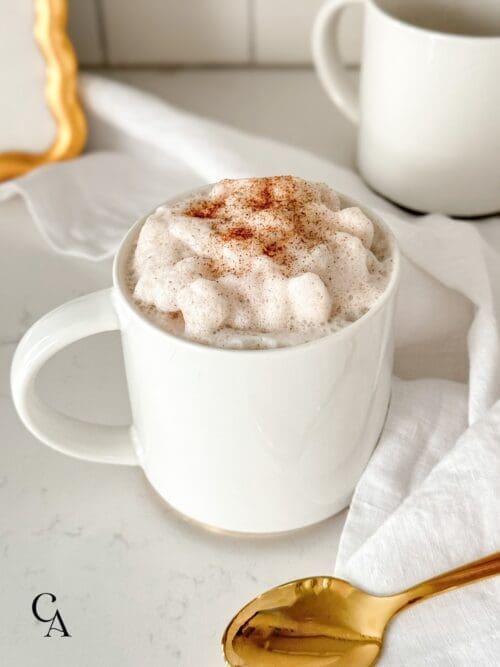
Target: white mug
[
  {"x": 428, "y": 107},
  {"x": 254, "y": 441}
]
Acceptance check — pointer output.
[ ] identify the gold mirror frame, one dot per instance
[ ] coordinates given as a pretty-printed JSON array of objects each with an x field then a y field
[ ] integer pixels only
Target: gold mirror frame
[{"x": 61, "y": 92}]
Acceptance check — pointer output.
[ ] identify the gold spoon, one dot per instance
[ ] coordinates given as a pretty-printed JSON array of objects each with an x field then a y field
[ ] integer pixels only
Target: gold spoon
[{"x": 327, "y": 622}]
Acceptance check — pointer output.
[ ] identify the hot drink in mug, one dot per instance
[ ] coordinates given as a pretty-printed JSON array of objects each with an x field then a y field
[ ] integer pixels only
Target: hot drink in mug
[{"x": 256, "y": 323}]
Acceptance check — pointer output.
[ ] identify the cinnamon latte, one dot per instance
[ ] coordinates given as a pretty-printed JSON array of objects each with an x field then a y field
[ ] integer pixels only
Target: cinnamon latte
[{"x": 258, "y": 263}]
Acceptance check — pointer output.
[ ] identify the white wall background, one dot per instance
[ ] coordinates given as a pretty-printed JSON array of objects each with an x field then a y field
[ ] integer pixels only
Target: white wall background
[{"x": 199, "y": 32}]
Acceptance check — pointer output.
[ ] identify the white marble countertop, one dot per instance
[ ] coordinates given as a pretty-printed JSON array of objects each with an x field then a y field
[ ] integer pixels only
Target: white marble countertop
[{"x": 135, "y": 583}]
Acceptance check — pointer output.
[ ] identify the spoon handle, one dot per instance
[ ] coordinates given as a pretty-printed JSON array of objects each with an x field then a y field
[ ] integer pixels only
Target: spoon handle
[{"x": 479, "y": 569}]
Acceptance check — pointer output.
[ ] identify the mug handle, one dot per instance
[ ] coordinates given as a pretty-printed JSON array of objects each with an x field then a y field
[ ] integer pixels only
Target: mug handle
[
  {"x": 326, "y": 57},
  {"x": 77, "y": 319}
]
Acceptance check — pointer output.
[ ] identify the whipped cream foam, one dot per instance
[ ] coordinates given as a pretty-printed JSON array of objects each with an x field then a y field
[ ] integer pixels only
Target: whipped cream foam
[{"x": 258, "y": 263}]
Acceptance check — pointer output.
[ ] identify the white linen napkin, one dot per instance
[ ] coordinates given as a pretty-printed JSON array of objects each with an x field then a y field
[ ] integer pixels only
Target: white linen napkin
[{"x": 428, "y": 500}]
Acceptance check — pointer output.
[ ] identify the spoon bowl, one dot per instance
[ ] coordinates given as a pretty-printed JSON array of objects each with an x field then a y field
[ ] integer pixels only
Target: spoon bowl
[
  {"x": 307, "y": 622},
  {"x": 328, "y": 622}
]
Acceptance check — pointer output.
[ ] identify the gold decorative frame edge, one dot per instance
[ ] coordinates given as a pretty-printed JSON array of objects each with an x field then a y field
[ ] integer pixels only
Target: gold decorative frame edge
[{"x": 60, "y": 91}]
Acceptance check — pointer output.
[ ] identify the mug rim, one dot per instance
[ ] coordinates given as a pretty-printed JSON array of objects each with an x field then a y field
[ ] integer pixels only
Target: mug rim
[
  {"x": 431, "y": 32},
  {"x": 120, "y": 288}
]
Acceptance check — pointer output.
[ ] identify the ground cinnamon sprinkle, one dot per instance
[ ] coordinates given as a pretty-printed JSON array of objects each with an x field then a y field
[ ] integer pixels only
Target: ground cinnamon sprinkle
[
  {"x": 271, "y": 250},
  {"x": 221, "y": 266},
  {"x": 237, "y": 234},
  {"x": 262, "y": 197},
  {"x": 260, "y": 194},
  {"x": 250, "y": 197},
  {"x": 204, "y": 209}
]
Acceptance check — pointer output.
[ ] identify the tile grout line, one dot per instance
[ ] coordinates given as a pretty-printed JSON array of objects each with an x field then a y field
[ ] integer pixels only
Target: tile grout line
[
  {"x": 208, "y": 67},
  {"x": 251, "y": 10},
  {"x": 102, "y": 32}
]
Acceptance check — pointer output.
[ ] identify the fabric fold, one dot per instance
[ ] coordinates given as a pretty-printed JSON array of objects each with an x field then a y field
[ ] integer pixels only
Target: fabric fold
[{"x": 428, "y": 499}]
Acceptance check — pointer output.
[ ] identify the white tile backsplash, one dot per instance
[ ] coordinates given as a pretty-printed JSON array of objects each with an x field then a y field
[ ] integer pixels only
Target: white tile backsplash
[
  {"x": 177, "y": 31},
  {"x": 193, "y": 32},
  {"x": 351, "y": 34},
  {"x": 84, "y": 30},
  {"x": 283, "y": 31}
]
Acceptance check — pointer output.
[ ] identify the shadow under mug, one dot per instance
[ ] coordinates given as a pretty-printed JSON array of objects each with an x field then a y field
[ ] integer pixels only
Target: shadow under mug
[
  {"x": 428, "y": 105},
  {"x": 253, "y": 441}
]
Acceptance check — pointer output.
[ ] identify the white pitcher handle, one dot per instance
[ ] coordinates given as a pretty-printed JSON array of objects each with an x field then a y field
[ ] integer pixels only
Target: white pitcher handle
[
  {"x": 331, "y": 71},
  {"x": 77, "y": 319}
]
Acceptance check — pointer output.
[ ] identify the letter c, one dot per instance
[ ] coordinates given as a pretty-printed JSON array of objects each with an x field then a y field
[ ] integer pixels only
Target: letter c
[{"x": 35, "y": 610}]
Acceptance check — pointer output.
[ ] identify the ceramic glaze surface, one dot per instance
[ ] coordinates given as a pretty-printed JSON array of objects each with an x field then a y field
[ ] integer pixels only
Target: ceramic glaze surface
[
  {"x": 428, "y": 108},
  {"x": 243, "y": 440}
]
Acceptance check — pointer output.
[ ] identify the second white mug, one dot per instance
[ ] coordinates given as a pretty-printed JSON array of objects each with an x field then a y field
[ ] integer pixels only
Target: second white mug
[{"x": 428, "y": 107}]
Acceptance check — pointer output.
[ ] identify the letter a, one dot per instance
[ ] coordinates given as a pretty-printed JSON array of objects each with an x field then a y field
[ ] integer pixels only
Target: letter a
[{"x": 62, "y": 628}]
